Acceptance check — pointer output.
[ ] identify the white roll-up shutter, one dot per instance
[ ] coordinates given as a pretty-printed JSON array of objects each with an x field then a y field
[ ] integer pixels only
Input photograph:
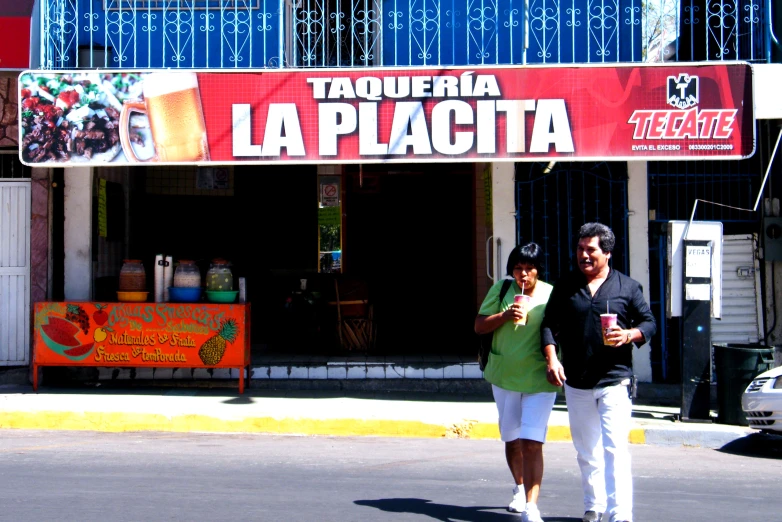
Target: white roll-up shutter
[{"x": 742, "y": 321}]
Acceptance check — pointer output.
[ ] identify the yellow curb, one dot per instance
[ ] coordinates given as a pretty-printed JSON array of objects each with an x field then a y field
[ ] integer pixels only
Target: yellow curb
[
  {"x": 485, "y": 430},
  {"x": 121, "y": 422},
  {"x": 124, "y": 422},
  {"x": 558, "y": 434},
  {"x": 637, "y": 436}
]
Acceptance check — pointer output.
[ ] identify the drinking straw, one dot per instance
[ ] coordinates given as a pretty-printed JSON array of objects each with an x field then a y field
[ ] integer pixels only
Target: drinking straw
[
  {"x": 522, "y": 288},
  {"x": 607, "y": 308}
]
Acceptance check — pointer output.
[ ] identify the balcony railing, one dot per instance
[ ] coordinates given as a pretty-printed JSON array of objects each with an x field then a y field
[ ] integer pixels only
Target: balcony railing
[
  {"x": 706, "y": 30},
  {"x": 140, "y": 34}
]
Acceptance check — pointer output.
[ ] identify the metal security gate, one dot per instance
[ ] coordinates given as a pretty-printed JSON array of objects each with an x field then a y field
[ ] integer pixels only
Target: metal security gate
[
  {"x": 14, "y": 272},
  {"x": 552, "y": 204}
]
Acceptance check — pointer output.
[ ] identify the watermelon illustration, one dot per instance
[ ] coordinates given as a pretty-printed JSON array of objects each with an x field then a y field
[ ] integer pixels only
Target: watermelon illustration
[
  {"x": 54, "y": 345},
  {"x": 59, "y": 336},
  {"x": 61, "y": 331},
  {"x": 66, "y": 326},
  {"x": 80, "y": 352}
]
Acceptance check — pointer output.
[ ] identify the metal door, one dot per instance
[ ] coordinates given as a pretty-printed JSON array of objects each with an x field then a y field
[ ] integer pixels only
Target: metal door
[
  {"x": 552, "y": 204},
  {"x": 14, "y": 273}
]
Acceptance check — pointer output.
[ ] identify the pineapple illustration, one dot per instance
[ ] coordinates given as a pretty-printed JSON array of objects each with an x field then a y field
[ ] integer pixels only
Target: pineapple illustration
[{"x": 211, "y": 352}]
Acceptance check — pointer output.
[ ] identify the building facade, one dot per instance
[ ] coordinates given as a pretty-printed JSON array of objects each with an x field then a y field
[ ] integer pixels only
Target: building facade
[{"x": 408, "y": 228}]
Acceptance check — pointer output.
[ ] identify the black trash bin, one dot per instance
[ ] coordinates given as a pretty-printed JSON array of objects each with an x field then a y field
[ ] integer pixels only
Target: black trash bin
[{"x": 735, "y": 366}]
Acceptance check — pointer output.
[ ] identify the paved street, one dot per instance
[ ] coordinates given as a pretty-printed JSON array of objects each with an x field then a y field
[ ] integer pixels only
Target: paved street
[{"x": 91, "y": 476}]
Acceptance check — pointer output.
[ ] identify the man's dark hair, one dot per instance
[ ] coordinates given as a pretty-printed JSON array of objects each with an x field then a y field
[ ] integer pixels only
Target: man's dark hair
[
  {"x": 531, "y": 253},
  {"x": 605, "y": 235}
]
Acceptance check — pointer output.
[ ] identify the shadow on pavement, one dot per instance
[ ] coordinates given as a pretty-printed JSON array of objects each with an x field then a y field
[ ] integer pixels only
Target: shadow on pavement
[
  {"x": 239, "y": 400},
  {"x": 447, "y": 512},
  {"x": 640, "y": 413},
  {"x": 759, "y": 445}
]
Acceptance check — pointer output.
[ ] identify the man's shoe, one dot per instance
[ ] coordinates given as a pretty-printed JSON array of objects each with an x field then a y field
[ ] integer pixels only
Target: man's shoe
[
  {"x": 531, "y": 514},
  {"x": 591, "y": 516},
  {"x": 519, "y": 501}
]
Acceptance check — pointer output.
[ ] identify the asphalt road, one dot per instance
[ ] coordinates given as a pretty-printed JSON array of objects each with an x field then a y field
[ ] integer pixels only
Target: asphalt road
[{"x": 91, "y": 476}]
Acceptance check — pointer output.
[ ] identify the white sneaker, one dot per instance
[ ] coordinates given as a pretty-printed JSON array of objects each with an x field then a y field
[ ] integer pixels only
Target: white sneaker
[
  {"x": 531, "y": 514},
  {"x": 519, "y": 501}
]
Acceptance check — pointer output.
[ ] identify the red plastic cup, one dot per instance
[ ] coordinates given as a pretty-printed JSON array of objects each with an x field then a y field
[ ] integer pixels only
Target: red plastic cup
[
  {"x": 523, "y": 300},
  {"x": 607, "y": 321}
]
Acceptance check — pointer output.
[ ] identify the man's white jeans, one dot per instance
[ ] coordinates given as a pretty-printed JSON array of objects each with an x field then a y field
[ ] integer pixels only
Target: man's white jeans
[{"x": 600, "y": 426}]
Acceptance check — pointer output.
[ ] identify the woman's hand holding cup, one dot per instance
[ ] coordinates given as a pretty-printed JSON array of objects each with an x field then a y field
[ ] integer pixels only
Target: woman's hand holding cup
[
  {"x": 515, "y": 313},
  {"x": 520, "y": 303}
]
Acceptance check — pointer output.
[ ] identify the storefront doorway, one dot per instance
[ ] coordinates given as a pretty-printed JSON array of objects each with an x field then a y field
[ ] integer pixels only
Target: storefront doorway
[{"x": 409, "y": 234}]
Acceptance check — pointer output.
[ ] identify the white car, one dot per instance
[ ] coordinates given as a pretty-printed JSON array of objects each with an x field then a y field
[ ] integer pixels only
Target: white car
[{"x": 762, "y": 401}]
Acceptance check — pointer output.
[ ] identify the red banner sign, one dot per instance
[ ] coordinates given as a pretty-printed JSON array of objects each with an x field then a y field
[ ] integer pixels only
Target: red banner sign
[{"x": 630, "y": 112}]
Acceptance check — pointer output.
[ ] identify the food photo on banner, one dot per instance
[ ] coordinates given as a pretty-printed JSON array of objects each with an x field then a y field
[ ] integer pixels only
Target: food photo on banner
[
  {"x": 384, "y": 115},
  {"x": 109, "y": 117}
]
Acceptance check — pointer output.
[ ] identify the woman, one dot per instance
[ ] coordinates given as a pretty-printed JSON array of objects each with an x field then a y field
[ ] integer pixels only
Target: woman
[{"x": 517, "y": 372}]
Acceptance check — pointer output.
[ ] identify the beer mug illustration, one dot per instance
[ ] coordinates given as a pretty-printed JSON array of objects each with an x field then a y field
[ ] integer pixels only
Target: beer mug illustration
[{"x": 172, "y": 103}]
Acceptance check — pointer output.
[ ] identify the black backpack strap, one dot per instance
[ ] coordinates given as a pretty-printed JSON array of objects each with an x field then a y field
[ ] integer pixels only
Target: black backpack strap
[{"x": 504, "y": 289}]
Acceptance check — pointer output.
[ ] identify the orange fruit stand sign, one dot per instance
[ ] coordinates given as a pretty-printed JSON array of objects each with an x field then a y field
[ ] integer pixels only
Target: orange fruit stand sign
[{"x": 170, "y": 335}]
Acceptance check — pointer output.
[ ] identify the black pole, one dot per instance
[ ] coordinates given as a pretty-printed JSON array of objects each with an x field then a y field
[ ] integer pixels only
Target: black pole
[{"x": 696, "y": 332}]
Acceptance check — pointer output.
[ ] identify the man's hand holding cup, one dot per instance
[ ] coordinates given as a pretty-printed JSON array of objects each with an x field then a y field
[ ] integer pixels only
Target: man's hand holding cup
[{"x": 615, "y": 336}]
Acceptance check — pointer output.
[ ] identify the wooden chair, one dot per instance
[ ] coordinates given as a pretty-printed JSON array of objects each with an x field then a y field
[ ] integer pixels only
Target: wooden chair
[{"x": 356, "y": 329}]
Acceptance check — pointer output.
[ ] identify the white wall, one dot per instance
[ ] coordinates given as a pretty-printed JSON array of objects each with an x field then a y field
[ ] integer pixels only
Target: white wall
[
  {"x": 78, "y": 233},
  {"x": 638, "y": 237},
  {"x": 503, "y": 215},
  {"x": 766, "y": 78}
]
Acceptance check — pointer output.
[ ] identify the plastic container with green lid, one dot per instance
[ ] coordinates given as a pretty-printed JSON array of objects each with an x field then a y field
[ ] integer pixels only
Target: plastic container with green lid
[{"x": 219, "y": 277}]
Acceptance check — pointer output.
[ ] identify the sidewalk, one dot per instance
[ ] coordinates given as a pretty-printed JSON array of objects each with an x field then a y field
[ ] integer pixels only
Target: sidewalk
[{"x": 311, "y": 412}]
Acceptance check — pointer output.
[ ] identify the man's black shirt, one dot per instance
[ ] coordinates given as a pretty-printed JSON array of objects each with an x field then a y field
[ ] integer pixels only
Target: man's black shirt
[{"x": 572, "y": 322}]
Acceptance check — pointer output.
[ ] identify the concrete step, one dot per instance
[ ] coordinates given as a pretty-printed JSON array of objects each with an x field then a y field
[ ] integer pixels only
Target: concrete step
[{"x": 651, "y": 394}]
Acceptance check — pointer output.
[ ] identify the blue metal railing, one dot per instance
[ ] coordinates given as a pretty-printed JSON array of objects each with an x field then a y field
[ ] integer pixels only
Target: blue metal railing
[
  {"x": 675, "y": 185},
  {"x": 358, "y": 33}
]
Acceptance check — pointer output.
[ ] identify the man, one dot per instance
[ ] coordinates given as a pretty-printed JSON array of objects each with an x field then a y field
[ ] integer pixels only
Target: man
[{"x": 598, "y": 376}]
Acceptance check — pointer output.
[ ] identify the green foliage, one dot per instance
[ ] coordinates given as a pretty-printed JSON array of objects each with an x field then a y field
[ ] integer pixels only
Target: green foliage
[{"x": 329, "y": 238}]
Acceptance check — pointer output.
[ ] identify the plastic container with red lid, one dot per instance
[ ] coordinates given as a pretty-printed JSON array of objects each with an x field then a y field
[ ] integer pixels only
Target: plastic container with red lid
[{"x": 132, "y": 276}]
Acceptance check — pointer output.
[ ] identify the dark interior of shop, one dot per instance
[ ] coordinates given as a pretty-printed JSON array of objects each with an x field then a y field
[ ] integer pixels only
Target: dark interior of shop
[{"x": 408, "y": 271}]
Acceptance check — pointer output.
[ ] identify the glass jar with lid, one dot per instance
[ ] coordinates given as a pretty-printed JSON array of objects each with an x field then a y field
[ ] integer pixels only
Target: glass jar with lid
[
  {"x": 219, "y": 277},
  {"x": 132, "y": 276},
  {"x": 187, "y": 274}
]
